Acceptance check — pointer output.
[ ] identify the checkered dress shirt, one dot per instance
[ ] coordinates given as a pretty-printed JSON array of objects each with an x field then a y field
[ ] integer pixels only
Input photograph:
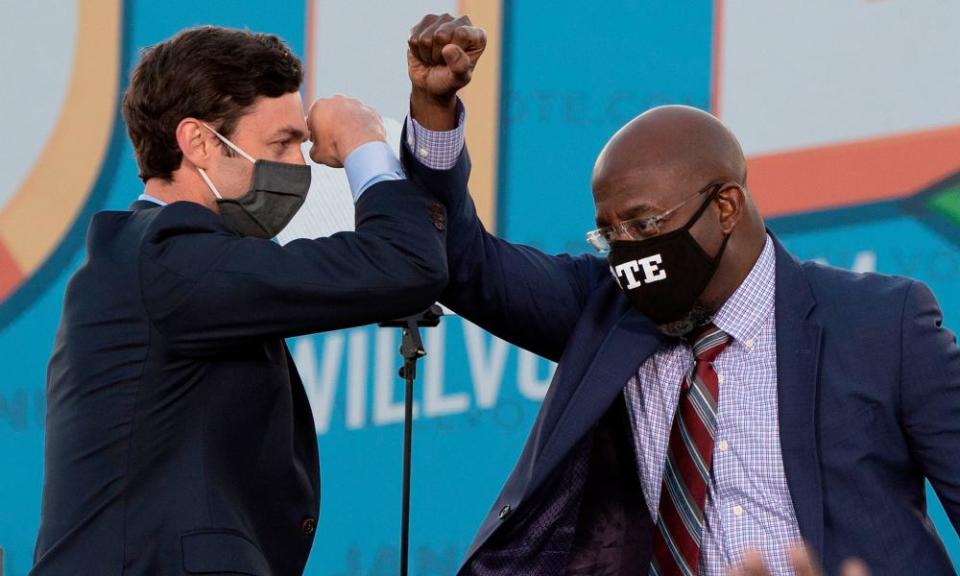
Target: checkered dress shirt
[
  {"x": 748, "y": 502},
  {"x": 436, "y": 150}
]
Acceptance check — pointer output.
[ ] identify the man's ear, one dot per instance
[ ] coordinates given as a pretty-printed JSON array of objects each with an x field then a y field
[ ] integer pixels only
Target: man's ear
[
  {"x": 196, "y": 142},
  {"x": 731, "y": 202}
]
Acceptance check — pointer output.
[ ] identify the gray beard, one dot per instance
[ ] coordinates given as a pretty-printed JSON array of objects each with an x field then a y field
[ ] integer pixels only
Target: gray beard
[{"x": 695, "y": 318}]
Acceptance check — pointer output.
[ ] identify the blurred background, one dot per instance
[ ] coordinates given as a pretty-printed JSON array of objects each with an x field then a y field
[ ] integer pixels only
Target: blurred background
[{"x": 847, "y": 109}]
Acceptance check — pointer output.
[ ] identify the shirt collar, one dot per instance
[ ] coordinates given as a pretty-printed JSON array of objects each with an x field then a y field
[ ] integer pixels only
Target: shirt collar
[
  {"x": 149, "y": 198},
  {"x": 744, "y": 313}
]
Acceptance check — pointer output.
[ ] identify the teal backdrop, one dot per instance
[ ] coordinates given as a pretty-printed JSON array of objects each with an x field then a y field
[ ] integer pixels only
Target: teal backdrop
[{"x": 571, "y": 75}]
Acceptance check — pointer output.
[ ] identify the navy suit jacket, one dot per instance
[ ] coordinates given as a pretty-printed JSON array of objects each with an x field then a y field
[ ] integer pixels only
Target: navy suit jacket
[
  {"x": 869, "y": 405},
  {"x": 179, "y": 438}
]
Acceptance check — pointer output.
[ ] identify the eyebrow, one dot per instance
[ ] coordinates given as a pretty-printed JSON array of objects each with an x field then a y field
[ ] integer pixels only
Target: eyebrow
[
  {"x": 290, "y": 132},
  {"x": 635, "y": 211}
]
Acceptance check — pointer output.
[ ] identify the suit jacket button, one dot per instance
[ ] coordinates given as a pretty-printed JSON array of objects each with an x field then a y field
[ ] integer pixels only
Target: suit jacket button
[
  {"x": 505, "y": 511},
  {"x": 308, "y": 526}
]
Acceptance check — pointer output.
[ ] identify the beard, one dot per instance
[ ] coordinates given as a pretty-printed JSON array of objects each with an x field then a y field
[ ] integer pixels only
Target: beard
[{"x": 695, "y": 318}]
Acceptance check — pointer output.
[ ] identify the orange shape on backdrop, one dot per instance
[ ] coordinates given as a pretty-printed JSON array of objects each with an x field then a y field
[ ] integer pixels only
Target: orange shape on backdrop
[{"x": 849, "y": 173}]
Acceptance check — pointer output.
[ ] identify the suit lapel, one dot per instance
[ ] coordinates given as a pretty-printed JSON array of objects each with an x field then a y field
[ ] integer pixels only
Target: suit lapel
[
  {"x": 798, "y": 361},
  {"x": 631, "y": 341}
]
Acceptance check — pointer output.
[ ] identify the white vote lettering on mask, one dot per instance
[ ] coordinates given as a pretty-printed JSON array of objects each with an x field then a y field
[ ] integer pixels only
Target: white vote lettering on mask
[{"x": 651, "y": 271}]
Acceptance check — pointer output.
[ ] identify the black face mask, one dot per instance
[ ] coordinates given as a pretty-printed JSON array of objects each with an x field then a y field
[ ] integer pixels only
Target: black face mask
[
  {"x": 663, "y": 276},
  {"x": 277, "y": 191}
]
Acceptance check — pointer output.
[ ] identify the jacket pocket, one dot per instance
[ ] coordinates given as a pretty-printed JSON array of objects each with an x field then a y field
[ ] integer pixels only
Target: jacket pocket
[{"x": 221, "y": 551}]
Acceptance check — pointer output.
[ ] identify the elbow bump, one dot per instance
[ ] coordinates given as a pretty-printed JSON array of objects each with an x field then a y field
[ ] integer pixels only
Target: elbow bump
[
  {"x": 436, "y": 278},
  {"x": 432, "y": 282}
]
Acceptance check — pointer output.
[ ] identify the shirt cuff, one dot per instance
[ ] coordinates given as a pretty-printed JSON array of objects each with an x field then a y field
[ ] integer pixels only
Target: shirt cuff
[
  {"x": 436, "y": 150},
  {"x": 370, "y": 164}
]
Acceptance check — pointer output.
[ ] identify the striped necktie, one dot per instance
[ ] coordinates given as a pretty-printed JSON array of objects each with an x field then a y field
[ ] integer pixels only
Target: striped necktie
[{"x": 686, "y": 475}]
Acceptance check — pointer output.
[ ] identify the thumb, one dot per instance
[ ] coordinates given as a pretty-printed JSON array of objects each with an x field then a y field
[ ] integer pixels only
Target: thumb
[
  {"x": 854, "y": 567},
  {"x": 803, "y": 561},
  {"x": 752, "y": 564},
  {"x": 457, "y": 60}
]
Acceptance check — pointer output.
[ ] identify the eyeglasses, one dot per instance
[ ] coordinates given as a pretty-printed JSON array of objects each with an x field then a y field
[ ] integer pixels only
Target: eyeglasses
[{"x": 643, "y": 227}]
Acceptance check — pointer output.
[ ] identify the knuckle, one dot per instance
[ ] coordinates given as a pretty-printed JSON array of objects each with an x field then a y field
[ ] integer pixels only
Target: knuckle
[{"x": 426, "y": 21}]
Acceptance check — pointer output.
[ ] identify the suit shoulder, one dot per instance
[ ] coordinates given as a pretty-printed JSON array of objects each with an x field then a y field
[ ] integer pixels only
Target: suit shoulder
[
  {"x": 593, "y": 268},
  {"x": 111, "y": 231},
  {"x": 181, "y": 218},
  {"x": 838, "y": 285},
  {"x": 185, "y": 238}
]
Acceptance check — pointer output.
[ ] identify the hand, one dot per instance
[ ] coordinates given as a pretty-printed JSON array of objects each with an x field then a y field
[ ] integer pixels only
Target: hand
[
  {"x": 441, "y": 55},
  {"x": 802, "y": 562},
  {"x": 338, "y": 126}
]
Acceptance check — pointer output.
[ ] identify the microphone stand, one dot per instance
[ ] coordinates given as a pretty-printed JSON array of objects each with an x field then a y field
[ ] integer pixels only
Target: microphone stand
[{"x": 411, "y": 350}]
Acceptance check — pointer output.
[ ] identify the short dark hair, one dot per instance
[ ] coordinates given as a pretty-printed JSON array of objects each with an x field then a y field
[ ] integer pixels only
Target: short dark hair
[{"x": 209, "y": 73}]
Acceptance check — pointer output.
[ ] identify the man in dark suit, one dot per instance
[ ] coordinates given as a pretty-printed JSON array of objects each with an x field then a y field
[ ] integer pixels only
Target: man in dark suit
[
  {"x": 714, "y": 395},
  {"x": 179, "y": 438}
]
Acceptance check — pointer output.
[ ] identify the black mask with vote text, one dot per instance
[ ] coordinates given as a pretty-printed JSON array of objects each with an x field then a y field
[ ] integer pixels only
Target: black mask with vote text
[{"x": 663, "y": 276}]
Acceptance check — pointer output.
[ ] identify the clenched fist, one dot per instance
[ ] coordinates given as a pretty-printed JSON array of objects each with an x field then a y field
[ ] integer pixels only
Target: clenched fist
[
  {"x": 442, "y": 52},
  {"x": 338, "y": 126}
]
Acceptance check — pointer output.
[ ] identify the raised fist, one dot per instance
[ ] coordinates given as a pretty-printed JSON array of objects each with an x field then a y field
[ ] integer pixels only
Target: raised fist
[{"x": 442, "y": 53}]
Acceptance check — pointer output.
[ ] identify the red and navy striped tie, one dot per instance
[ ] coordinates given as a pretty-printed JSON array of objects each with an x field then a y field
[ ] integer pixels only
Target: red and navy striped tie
[{"x": 686, "y": 475}]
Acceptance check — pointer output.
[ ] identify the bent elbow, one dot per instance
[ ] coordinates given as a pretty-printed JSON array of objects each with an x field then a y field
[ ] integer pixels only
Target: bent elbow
[{"x": 433, "y": 281}]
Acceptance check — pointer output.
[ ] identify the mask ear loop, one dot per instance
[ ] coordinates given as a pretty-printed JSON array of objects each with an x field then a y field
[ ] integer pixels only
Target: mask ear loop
[
  {"x": 726, "y": 237},
  {"x": 203, "y": 174},
  {"x": 703, "y": 207},
  {"x": 693, "y": 220},
  {"x": 230, "y": 144},
  {"x": 712, "y": 196}
]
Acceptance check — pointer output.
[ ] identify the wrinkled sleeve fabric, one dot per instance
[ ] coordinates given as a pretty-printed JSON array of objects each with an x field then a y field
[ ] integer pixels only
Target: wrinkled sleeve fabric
[{"x": 205, "y": 288}]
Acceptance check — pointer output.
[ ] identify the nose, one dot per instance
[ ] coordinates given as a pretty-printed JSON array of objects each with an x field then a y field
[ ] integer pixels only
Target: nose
[{"x": 298, "y": 154}]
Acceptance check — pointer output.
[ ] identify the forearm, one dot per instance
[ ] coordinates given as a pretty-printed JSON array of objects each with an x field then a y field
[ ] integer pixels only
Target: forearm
[
  {"x": 516, "y": 292},
  {"x": 207, "y": 288},
  {"x": 436, "y": 113}
]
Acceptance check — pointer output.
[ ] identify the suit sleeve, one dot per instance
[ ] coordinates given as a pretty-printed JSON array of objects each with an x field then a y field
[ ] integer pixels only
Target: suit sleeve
[
  {"x": 930, "y": 394},
  {"x": 517, "y": 292},
  {"x": 206, "y": 288}
]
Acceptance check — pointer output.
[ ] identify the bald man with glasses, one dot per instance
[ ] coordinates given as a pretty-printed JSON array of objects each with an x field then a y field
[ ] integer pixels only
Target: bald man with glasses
[{"x": 717, "y": 401}]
